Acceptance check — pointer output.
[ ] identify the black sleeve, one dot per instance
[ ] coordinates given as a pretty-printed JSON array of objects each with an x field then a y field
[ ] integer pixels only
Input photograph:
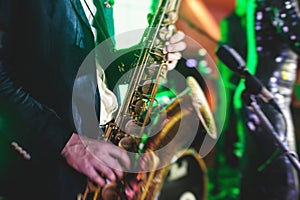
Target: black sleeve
[{"x": 36, "y": 128}]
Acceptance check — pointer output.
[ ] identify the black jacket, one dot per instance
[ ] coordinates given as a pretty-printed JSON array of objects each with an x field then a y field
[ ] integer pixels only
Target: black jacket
[{"x": 42, "y": 45}]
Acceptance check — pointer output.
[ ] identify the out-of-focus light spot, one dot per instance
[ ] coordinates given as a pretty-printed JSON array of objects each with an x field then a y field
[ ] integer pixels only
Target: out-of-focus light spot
[
  {"x": 203, "y": 63},
  {"x": 258, "y": 27},
  {"x": 285, "y": 75},
  {"x": 204, "y": 68},
  {"x": 251, "y": 126},
  {"x": 293, "y": 37},
  {"x": 274, "y": 89},
  {"x": 273, "y": 80},
  {"x": 259, "y": 48},
  {"x": 285, "y": 29},
  {"x": 191, "y": 63},
  {"x": 283, "y": 15},
  {"x": 208, "y": 70},
  {"x": 276, "y": 74},
  {"x": 278, "y": 59},
  {"x": 287, "y": 2},
  {"x": 202, "y": 52},
  {"x": 289, "y": 6},
  {"x": 259, "y": 15}
]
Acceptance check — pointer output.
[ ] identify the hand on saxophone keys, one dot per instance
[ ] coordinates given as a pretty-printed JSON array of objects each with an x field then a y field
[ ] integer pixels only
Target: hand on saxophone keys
[
  {"x": 95, "y": 158},
  {"x": 174, "y": 47}
]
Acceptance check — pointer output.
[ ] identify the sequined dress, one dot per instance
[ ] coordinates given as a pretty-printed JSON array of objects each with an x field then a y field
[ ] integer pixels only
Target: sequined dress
[{"x": 267, "y": 173}]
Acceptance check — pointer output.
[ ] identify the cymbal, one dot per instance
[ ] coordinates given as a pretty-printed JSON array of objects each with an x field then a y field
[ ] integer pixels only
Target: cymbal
[{"x": 201, "y": 107}]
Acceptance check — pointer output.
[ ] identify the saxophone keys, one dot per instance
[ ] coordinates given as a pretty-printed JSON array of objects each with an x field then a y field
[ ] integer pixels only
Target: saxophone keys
[
  {"x": 165, "y": 34},
  {"x": 111, "y": 191},
  {"x": 128, "y": 143},
  {"x": 133, "y": 128},
  {"x": 147, "y": 87}
]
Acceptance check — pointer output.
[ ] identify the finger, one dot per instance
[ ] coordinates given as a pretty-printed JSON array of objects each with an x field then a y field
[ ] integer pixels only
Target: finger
[
  {"x": 105, "y": 170},
  {"x": 94, "y": 176},
  {"x": 178, "y": 36},
  {"x": 171, "y": 65},
  {"x": 115, "y": 166},
  {"x": 121, "y": 155},
  {"x": 180, "y": 46},
  {"x": 174, "y": 56},
  {"x": 119, "y": 173}
]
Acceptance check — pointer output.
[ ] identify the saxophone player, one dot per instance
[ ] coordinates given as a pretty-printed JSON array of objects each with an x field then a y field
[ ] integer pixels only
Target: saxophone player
[{"x": 43, "y": 44}]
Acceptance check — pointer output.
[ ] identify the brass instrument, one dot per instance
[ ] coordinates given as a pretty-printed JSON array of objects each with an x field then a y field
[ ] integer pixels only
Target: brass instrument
[{"x": 135, "y": 116}]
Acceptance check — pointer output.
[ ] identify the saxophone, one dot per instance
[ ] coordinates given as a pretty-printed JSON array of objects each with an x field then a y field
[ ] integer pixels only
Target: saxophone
[{"x": 137, "y": 110}]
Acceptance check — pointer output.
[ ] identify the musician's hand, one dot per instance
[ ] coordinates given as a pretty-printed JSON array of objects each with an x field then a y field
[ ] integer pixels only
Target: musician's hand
[
  {"x": 174, "y": 48},
  {"x": 95, "y": 158}
]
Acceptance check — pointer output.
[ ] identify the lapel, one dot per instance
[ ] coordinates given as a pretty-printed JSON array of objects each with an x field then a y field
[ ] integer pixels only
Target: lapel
[
  {"x": 79, "y": 10},
  {"x": 102, "y": 26}
]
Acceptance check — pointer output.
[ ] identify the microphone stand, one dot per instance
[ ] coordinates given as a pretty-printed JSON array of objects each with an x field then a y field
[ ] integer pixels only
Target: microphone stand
[{"x": 251, "y": 101}]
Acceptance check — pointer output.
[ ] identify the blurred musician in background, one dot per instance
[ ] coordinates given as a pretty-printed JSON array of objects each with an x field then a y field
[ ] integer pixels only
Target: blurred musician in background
[{"x": 273, "y": 36}]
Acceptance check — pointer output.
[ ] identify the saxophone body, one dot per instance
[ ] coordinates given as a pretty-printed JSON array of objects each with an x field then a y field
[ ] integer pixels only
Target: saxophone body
[{"x": 135, "y": 120}]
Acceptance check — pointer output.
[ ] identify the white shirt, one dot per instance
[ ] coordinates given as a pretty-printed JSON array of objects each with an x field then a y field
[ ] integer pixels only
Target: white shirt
[{"x": 108, "y": 100}]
